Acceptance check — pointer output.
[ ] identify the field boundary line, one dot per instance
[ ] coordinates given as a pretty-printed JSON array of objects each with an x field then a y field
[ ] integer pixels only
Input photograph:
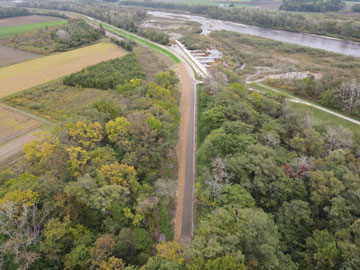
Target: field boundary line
[{"x": 39, "y": 118}]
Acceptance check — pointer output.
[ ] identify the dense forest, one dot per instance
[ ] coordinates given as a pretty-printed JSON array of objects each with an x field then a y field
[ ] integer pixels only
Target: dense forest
[
  {"x": 6, "y": 12},
  {"x": 274, "y": 19},
  {"x": 274, "y": 190},
  {"x": 125, "y": 18},
  {"x": 73, "y": 34},
  {"x": 95, "y": 192},
  {"x": 312, "y": 6}
]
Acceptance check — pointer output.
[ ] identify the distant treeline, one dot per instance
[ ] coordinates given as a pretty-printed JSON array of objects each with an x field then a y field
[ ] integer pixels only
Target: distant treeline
[
  {"x": 125, "y": 18},
  {"x": 273, "y": 19},
  {"x": 355, "y": 8},
  {"x": 12, "y": 12},
  {"x": 53, "y": 14},
  {"x": 312, "y": 5}
]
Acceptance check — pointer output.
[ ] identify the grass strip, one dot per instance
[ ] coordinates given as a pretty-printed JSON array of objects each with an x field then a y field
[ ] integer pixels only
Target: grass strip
[
  {"x": 8, "y": 31},
  {"x": 323, "y": 118},
  {"x": 140, "y": 40}
]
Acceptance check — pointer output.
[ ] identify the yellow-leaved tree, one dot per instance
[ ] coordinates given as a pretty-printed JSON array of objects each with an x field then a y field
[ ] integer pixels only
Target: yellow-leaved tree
[
  {"x": 112, "y": 264},
  {"x": 120, "y": 174},
  {"x": 42, "y": 147},
  {"x": 171, "y": 251},
  {"x": 118, "y": 132},
  {"x": 78, "y": 158},
  {"x": 86, "y": 135}
]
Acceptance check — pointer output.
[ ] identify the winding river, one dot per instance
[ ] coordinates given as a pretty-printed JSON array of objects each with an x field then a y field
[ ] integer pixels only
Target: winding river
[{"x": 346, "y": 47}]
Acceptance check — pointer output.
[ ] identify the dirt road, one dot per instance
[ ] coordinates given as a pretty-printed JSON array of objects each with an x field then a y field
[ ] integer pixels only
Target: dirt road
[{"x": 186, "y": 155}]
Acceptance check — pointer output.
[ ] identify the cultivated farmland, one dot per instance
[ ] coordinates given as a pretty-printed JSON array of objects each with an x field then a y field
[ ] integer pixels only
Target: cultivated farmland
[
  {"x": 13, "y": 21},
  {"x": 9, "y": 31},
  {"x": 25, "y": 75},
  {"x": 11, "y": 56}
]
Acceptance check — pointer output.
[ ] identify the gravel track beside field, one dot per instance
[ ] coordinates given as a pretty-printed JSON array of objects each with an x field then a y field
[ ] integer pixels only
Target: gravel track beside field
[
  {"x": 15, "y": 146},
  {"x": 12, "y": 145}
]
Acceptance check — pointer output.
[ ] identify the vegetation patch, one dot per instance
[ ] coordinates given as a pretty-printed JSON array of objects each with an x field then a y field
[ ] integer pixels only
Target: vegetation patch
[
  {"x": 58, "y": 102},
  {"x": 263, "y": 167},
  {"x": 141, "y": 40},
  {"x": 7, "y": 12},
  {"x": 151, "y": 61},
  {"x": 73, "y": 34},
  {"x": 107, "y": 75},
  {"x": 112, "y": 158}
]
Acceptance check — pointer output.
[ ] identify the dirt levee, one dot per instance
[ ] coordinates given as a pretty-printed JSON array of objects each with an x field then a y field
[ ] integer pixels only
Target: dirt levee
[
  {"x": 25, "y": 75},
  {"x": 26, "y": 20},
  {"x": 11, "y": 56}
]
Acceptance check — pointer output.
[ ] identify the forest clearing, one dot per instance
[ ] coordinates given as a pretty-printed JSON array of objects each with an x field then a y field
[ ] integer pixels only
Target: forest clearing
[{"x": 19, "y": 77}]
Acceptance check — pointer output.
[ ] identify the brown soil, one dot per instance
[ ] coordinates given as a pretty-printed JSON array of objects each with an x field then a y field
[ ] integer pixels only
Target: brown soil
[
  {"x": 182, "y": 143},
  {"x": 14, "y": 124},
  {"x": 26, "y": 20},
  {"x": 11, "y": 56},
  {"x": 25, "y": 75},
  {"x": 14, "y": 147}
]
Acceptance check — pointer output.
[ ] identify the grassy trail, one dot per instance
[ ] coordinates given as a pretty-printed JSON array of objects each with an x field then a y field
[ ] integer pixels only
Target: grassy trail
[{"x": 323, "y": 115}]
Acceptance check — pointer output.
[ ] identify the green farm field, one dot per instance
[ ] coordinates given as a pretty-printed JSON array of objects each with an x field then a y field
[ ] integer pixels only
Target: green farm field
[{"x": 18, "y": 29}]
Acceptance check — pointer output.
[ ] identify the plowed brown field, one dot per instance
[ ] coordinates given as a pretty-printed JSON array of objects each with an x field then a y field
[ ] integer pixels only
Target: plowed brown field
[{"x": 28, "y": 74}]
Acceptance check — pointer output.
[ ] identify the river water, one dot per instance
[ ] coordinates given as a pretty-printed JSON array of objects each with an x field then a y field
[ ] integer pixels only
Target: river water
[{"x": 346, "y": 47}]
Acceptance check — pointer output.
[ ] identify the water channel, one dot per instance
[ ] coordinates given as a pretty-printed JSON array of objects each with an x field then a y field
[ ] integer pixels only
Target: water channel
[{"x": 345, "y": 47}]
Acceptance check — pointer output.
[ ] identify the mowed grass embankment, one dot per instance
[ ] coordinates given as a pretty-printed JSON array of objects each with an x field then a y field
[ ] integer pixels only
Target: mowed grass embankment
[
  {"x": 31, "y": 73},
  {"x": 141, "y": 40},
  {"x": 8, "y": 31}
]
